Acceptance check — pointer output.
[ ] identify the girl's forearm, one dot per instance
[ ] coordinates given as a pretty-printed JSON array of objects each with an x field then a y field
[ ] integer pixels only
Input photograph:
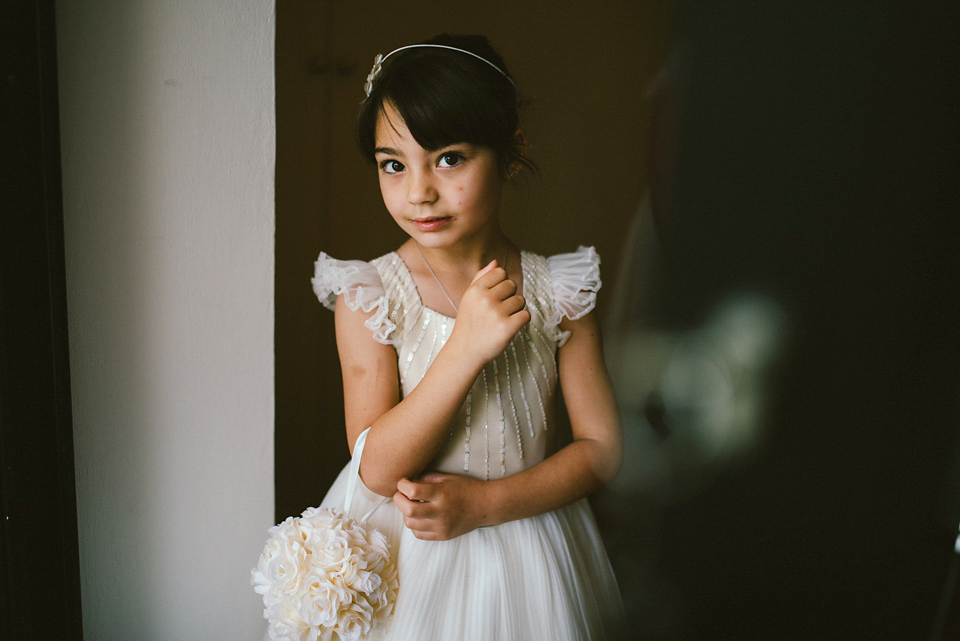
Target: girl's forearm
[
  {"x": 574, "y": 472},
  {"x": 595, "y": 455},
  {"x": 403, "y": 440}
]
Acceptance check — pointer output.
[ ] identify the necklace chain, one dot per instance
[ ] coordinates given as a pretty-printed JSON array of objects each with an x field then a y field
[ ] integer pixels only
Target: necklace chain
[
  {"x": 434, "y": 274},
  {"x": 436, "y": 278}
]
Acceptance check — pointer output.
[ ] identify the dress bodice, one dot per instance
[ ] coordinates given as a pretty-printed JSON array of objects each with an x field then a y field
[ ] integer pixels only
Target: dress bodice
[{"x": 506, "y": 423}]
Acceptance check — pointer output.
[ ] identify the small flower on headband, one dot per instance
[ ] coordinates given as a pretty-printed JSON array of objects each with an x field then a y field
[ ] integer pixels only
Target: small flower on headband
[
  {"x": 378, "y": 63},
  {"x": 373, "y": 75}
]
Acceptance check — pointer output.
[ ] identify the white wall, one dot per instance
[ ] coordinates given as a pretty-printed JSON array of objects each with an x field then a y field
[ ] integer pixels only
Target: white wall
[{"x": 168, "y": 134}]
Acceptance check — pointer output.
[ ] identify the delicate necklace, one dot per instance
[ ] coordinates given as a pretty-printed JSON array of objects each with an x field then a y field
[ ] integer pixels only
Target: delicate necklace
[{"x": 434, "y": 274}]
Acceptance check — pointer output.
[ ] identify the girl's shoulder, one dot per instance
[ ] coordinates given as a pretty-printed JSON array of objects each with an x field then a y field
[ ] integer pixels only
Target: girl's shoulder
[
  {"x": 567, "y": 284},
  {"x": 375, "y": 286}
]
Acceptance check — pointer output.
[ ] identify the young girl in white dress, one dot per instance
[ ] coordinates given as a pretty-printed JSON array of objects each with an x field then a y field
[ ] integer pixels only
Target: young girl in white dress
[{"x": 451, "y": 350}]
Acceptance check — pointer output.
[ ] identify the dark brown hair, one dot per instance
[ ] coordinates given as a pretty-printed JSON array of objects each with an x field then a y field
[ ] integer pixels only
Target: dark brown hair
[{"x": 447, "y": 97}]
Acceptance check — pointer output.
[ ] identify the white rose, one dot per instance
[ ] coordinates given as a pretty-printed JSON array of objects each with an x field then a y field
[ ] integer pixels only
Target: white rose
[
  {"x": 282, "y": 529},
  {"x": 280, "y": 631},
  {"x": 312, "y": 513},
  {"x": 261, "y": 584},
  {"x": 378, "y": 541},
  {"x": 376, "y": 552},
  {"x": 347, "y": 569},
  {"x": 260, "y": 575},
  {"x": 386, "y": 596},
  {"x": 381, "y": 603},
  {"x": 366, "y": 582},
  {"x": 317, "y": 535},
  {"x": 376, "y": 562},
  {"x": 323, "y": 601},
  {"x": 330, "y": 550},
  {"x": 285, "y": 572},
  {"x": 319, "y": 634},
  {"x": 354, "y": 622},
  {"x": 294, "y": 537}
]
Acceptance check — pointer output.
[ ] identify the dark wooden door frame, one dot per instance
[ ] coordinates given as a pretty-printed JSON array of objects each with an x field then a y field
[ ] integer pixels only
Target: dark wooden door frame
[{"x": 38, "y": 514}]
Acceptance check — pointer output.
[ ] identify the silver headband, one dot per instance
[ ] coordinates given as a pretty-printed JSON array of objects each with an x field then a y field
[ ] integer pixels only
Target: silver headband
[{"x": 378, "y": 63}]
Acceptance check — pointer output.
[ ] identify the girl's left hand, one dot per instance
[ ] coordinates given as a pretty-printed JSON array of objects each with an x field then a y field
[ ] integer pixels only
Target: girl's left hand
[{"x": 439, "y": 507}]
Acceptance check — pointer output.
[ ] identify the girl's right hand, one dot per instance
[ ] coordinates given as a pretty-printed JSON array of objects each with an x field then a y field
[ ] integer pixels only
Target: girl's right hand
[
  {"x": 490, "y": 314},
  {"x": 440, "y": 507}
]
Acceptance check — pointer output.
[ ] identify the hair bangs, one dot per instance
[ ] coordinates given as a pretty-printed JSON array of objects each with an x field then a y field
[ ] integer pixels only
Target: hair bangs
[{"x": 464, "y": 113}]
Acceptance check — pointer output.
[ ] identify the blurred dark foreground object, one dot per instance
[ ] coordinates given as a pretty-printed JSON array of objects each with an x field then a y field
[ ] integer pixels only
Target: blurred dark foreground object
[{"x": 816, "y": 165}]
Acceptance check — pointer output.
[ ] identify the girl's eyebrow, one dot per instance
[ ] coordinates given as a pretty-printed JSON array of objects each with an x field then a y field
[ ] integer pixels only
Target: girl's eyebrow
[
  {"x": 390, "y": 151},
  {"x": 455, "y": 145}
]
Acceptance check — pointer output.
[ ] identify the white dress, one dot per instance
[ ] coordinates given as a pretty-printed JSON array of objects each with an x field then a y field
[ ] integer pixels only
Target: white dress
[{"x": 545, "y": 577}]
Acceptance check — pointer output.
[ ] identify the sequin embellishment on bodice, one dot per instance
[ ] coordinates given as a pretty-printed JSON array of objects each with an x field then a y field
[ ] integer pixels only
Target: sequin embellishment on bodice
[
  {"x": 497, "y": 431},
  {"x": 504, "y": 425}
]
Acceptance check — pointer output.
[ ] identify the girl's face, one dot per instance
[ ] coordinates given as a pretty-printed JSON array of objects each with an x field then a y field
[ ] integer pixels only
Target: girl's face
[{"x": 440, "y": 198}]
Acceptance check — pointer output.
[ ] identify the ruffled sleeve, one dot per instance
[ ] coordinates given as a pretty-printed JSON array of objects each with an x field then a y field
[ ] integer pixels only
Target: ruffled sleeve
[
  {"x": 362, "y": 288},
  {"x": 575, "y": 280}
]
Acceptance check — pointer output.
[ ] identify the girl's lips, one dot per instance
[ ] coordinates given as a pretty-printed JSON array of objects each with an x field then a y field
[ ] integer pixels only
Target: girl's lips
[{"x": 431, "y": 224}]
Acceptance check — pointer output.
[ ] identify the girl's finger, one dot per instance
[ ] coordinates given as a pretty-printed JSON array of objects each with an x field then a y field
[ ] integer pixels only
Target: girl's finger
[
  {"x": 424, "y": 527},
  {"x": 410, "y": 489},
  {"x": 513, "y": 304},
  {"x": 419, "y": 491},
  {"x": 424, "y": 511},
  {"x": 491, "y": 265},
  {"x": 490, "y": 278},
  {"x": 504, "y": 289},
  {"x": 416, "y": 515},
  {"x": 403, "y": 503},
  {"x": 418, "y": 524},
  {"x": 404, "y": 488},
  {"x": 518, "y": 319},
  {"x": 426, "y": 536}
]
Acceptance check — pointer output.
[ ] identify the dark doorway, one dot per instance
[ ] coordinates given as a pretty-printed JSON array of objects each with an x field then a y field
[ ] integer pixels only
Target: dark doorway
[{"x": 38, "y": 531}]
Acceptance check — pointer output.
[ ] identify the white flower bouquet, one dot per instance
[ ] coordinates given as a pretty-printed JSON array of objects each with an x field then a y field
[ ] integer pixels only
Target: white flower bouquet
[{"x": 326, "y": 577}]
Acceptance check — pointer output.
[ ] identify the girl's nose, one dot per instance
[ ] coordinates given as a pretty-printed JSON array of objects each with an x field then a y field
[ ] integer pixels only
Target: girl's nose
[{"x": 420, "y": 187}]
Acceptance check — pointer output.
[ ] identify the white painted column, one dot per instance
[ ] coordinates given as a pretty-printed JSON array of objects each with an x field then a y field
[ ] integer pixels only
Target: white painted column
[{"x": 168, "y": 137}]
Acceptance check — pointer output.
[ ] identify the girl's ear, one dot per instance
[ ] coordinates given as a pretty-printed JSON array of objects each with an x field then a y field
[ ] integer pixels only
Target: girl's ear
[{"x": 519, "y": 151}]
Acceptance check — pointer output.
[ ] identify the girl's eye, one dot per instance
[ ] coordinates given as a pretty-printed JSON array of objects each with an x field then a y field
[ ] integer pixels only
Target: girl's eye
[
  {"x": 451, "y": 159},
  {"x": 391, "y": 166}
]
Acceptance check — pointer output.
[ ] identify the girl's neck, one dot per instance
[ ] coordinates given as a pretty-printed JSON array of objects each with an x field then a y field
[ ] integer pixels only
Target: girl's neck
[
  {"x": 442, "y": 274},
  {"x": 467, "y": 258}
]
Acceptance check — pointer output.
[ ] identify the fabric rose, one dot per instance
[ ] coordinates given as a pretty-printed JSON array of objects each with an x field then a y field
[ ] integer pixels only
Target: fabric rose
[
  {"x": 324, "y": 576},
  {"x": 373, "y": 75}
]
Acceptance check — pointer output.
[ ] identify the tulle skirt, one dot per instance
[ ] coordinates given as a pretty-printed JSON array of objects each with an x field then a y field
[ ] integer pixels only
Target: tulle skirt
[{"x": 542, "y": 578}]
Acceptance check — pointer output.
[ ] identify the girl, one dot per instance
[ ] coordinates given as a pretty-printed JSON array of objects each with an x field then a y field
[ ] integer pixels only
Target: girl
[{"x": 451, "y": 349}]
